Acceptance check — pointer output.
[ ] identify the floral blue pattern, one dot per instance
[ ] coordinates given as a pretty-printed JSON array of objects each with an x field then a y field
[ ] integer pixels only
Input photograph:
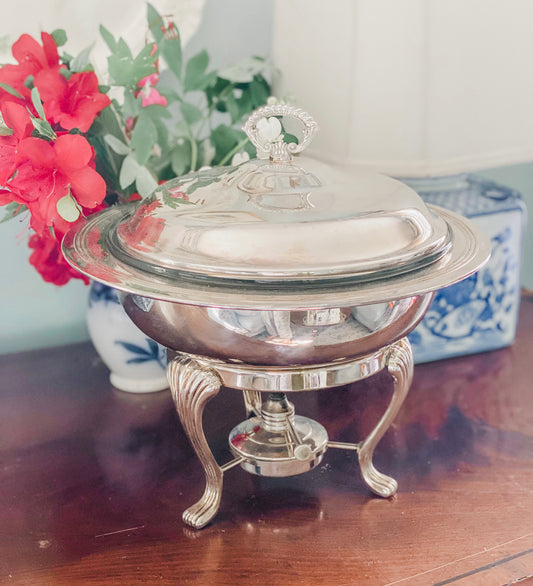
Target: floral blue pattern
[
  {"x": 152, "y": 351},
  {"x": 137, "y": 363},
  {"x": 481, "y": 312},
  {"x": 100, "y": 293}
]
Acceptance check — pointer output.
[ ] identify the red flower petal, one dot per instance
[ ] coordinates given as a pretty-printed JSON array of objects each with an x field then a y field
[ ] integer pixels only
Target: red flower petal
[
  {"x": 17, "y": 118},
  {"x": 73, "y": 152},
  {"x": 51, "y": 85},
  {"x": 5, "y": 197},
  {"x": 72, "y": 104},
  {"x": 50, "y": 50},
  {"x": 88, "y": 187},
  {"x": 27, "y": 50},
  {"x": 48, "y": 259},
  {"x": 7, "y": 158},
  {"x": 36, "y": 150},
  {"x": 15, "y": 76}
]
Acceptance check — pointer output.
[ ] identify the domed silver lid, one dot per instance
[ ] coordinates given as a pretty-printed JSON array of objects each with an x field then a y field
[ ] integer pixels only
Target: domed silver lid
[{"x": 282, "y": 225}]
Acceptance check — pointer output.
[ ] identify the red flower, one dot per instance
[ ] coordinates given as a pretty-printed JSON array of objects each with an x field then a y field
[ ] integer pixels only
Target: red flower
[
  {"x": 74, "y": 103},
  {"x": 149, "y": 95},
  {"x": 48, "y": 172},
  {"x": 17, "y": 118},
  {"x": 48, "y": 259},
  {"x": 32, "y": 59}
]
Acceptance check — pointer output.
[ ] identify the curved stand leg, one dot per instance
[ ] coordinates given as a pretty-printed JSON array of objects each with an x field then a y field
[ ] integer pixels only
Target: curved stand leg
[
  {"x": 252, "y": 403},
  {"x": 400, "y": 365},
  {"x": 192, "y": 386}
]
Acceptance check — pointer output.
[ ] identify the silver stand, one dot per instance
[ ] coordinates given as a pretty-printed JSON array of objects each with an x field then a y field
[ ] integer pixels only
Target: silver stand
[{"x": 275, "y": 442}]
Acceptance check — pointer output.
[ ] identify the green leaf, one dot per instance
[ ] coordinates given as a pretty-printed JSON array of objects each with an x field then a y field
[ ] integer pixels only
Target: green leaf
[
  {"x": 191, "y": 113},
  {"x": 132, "y": 105},
  {"x": 108, "y": 38},
  {"x": 157, "y": 111},
  {"x": 144, "y": 137},
  {"x": 145, "y": 182},
  {"x": 233, "y": 109},
  {"x": 66, "y": 58},
  {"x": 68, "y": 208},
  {"x": 245, "y": 104},
  {"x": 37, "y": 104},
  {"x": 288, "y": 138},
  {"x": 82, "y": 62},
  {"x": 225, "y": 139},
  {"x": 107, "y": 123},
  {"x": 10, "y": 90},
  {"x": 171, "y": 51},
  {"x": 195, "y": 71},
  {"x": 43, "y": 128},
  {"x": 162, "y": 134},
  {"x": 155, "y": 23},
  {"x": 170, "y": 94},
  {"x": 128, "y": 171},
  {"x": 244, "y": 71},
  {"x": 117, "y": 145},
  {"x": 59, "y": 36},
  {"x": 259, "y": 91},
  {"x": 180, "y": 158},
  {"x": 12, "y": 210},
  {"x": 124, "y": 70}
]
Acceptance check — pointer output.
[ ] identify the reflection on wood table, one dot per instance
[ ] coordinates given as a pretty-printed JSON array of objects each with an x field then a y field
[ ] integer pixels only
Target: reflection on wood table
[{"x": 94, "y": 481}]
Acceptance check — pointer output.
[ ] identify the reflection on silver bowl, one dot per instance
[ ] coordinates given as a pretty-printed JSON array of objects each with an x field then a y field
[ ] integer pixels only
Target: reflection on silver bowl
[{"x": 276, "y": 338}]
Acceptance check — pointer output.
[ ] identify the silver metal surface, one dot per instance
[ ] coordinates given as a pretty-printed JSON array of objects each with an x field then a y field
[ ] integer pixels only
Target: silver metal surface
[
  {"x": 84, "y": 248},
  {"x": 276, "y": 338},
  {"x": 192, "y": 386},
  {"x": 268, "y": 222},
  {"x": 400, "y": 365},
  {"x": 278, "y": 442},
  {"x": 264, "y": 221},
  {"x": 291, "y": 379},
  {"x": 267, "y": 453},
  {"x": 279, "y": 151}
]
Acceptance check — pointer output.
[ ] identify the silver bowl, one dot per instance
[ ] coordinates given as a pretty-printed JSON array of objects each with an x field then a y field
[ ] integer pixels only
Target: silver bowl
[{"x": 276, "y": 337}]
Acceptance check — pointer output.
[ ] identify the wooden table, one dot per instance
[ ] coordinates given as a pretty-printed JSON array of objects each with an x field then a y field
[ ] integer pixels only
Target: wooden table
[{"x": 93, "y": 482}]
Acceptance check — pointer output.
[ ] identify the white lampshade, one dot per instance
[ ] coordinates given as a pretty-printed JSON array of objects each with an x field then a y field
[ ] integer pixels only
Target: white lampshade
[{"x": 411, "y": 87}]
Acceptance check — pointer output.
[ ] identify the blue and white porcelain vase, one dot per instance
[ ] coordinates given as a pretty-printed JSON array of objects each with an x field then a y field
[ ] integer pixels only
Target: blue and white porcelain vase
[
  {"x": 137, "y": 363},
  {"x": 481, "y": 312}
]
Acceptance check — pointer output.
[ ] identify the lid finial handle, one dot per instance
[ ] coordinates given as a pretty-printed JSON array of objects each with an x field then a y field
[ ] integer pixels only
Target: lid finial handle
[{"x": 262, "y": 134}]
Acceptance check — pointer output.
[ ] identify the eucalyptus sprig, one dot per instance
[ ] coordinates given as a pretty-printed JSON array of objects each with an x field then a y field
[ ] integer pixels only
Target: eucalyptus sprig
[{"x": 194, "y": 123}]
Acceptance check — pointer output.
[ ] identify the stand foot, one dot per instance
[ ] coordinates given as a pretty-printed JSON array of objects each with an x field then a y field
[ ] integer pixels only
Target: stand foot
[
  {"x": 400, "y": 365},
  {"x": 192, "y": 386}
]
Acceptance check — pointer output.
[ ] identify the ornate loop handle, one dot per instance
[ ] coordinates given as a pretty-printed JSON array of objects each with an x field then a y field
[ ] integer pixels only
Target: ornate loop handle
[{"x": 278, "y": 150}]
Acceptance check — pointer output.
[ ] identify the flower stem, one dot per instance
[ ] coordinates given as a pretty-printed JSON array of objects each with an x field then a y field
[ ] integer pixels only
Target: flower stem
[
  {"x": 234, "y": 151},
  {"x": 194, "y": 152}
]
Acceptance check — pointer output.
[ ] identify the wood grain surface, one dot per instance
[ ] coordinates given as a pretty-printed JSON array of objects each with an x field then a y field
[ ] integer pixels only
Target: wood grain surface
[{"x": 93, "y": 482}]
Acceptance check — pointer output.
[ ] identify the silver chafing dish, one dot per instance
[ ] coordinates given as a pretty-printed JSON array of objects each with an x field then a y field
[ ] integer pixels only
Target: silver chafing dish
[{"x": 278, "y": 275}]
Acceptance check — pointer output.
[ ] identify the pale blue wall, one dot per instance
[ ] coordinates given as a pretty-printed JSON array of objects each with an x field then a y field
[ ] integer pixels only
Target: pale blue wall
[{"x": 34, "y": 314}]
